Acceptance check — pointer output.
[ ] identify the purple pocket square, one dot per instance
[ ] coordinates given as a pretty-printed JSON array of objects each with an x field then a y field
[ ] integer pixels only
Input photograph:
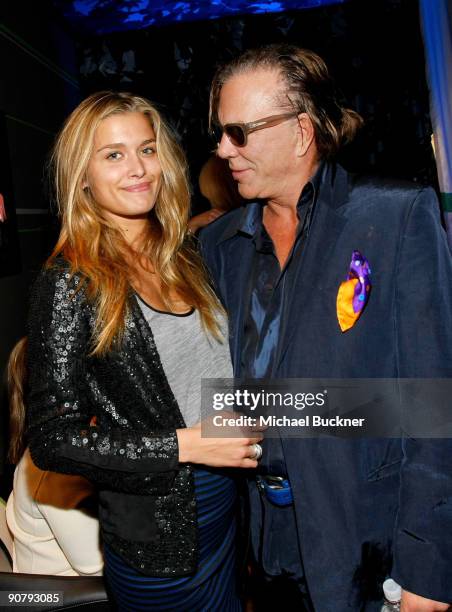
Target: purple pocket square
[{"x": 354, "y": 292}]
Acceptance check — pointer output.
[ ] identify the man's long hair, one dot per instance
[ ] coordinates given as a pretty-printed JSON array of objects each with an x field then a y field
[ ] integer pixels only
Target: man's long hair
[
  {"x": 95, "y": 247},
  {"x": 309, "y": 89}
]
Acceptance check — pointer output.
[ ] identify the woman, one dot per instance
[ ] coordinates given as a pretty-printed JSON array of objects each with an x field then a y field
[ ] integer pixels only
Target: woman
[
  {"x": 49, "y": 514},
  {"x": 123, "y": 325}
]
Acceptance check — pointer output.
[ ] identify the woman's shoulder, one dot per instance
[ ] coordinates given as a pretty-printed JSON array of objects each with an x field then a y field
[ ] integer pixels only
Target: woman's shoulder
[
  {"x": 57, "y": 276},
  {"x": 57, "y": 294},
  {"x": 56, "y": 270}
]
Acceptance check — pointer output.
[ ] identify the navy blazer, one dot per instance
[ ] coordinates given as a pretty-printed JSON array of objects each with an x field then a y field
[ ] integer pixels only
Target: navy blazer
[{"x": 371, "y": 507}]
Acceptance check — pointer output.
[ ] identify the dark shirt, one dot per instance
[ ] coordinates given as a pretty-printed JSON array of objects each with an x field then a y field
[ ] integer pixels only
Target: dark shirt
[{"x": 269, "y": 290}]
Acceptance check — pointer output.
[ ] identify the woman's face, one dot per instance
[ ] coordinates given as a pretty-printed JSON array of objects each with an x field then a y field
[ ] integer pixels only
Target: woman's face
[{"x": 124, "y": 171}]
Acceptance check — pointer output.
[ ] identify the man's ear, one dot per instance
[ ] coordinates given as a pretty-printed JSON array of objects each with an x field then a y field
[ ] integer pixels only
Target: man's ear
[{"x": 306, "y": 134}]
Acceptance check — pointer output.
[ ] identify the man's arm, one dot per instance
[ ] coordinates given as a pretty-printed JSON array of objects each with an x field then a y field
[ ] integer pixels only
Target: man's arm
[{"x": 423, "y": 320}]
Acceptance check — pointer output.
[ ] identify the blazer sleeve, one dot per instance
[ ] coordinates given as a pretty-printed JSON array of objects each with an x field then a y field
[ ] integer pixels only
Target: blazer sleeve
[
  {"x": 423, "y": 320},
  {"x": 61, "y": 436},
  {"x": 208, "y": 253}
]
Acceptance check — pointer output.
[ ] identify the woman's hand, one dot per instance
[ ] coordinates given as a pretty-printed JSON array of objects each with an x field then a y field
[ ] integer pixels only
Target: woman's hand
[{"x": 216, "y": 452}]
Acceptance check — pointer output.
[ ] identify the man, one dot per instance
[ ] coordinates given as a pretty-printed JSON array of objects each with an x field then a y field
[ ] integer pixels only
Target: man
[{"x": 357, "y": 510}]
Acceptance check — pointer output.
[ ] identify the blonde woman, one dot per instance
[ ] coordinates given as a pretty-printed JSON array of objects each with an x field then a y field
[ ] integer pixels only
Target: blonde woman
[
  {"x": 123, "y": 326},
  {"x": 49, "y": 514}
]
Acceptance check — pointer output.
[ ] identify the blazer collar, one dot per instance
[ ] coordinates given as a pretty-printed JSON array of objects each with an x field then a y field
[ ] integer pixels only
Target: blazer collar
[
  {"x": 246, "y": 221},
  {"x": 330, "y": 182},
  {"x": 335, "y": 186}
]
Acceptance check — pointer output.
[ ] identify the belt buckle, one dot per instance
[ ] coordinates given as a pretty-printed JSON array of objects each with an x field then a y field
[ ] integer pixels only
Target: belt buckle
[
  {"x": 275, "y": 482},
  {"x": 277, "y": 489}
]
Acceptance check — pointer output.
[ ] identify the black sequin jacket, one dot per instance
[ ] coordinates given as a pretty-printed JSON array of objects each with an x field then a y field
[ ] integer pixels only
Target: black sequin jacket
[{"x": 113, "y": 420}]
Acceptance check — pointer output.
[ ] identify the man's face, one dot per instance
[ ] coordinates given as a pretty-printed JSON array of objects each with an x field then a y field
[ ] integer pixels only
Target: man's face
[{"x": 265, "y": 167}]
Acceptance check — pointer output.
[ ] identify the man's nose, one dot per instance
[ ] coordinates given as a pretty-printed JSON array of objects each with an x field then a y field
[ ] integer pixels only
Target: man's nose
[{"x": 225, "y": 148}]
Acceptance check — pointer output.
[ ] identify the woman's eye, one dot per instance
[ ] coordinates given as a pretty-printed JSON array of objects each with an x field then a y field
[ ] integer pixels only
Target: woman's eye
[
  {"x": 114, "y": 155},
  {"x": 148, "y": 150}
]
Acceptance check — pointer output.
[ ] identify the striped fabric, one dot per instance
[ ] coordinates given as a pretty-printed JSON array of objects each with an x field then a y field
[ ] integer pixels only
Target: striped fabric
[{"x": 213, "y": 587}]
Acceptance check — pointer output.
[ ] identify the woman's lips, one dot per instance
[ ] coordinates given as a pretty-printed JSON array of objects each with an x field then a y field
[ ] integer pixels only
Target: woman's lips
[{"x": 138, "y": 188}]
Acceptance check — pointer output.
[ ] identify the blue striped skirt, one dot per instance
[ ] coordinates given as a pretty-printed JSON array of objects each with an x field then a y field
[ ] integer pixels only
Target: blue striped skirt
[{"x": 213, "y": 587}]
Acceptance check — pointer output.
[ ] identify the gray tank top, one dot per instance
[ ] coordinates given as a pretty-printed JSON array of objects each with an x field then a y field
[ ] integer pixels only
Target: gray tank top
[{"x": 187, "y": 354}]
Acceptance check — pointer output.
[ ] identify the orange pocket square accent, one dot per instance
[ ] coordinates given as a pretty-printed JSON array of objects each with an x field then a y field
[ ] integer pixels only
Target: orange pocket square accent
[
  {"x": 354, "y": 292},
  {"x": 345, "y": 314}
]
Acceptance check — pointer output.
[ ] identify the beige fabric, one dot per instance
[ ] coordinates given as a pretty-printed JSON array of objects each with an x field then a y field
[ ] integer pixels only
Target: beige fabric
[
  {"x": 6, "y": 538},
  {"x": 52, "y": 535}
]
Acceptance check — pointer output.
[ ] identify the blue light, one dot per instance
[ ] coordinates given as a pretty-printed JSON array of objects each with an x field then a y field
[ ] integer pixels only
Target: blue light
[
  {"x": 266, "y": 7},
  {"x": 114, "y": 16},
  {"x": 133, "y": 17},
  {"x": 85, "y": 6}
]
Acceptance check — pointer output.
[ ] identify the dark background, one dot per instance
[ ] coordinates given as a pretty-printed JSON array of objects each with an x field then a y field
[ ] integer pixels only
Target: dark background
[
  {"x": 374, "y": 50},
  {"x": 9, "y": 239}
]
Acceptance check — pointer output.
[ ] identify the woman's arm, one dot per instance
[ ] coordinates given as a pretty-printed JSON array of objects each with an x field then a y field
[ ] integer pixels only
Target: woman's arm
[
  {"x": 194, "y": 447},
  {"x": 62, "y": 435}
]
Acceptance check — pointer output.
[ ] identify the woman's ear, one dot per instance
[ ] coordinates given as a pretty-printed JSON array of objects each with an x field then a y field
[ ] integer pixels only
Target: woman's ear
[{"x": 305, "y": 134}]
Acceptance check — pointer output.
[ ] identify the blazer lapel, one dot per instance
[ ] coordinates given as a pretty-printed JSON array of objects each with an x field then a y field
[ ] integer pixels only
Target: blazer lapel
[{"x": 237, "y": 257}]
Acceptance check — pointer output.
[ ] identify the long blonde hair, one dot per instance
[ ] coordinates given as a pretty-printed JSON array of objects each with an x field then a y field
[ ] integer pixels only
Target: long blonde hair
[
  {"x": 96, "y": 248},
  {"x": 16, "y": 373}
]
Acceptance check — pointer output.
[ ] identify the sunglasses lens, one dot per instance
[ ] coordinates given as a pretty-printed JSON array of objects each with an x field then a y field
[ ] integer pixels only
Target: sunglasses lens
[{"x": 235, "y": 134}]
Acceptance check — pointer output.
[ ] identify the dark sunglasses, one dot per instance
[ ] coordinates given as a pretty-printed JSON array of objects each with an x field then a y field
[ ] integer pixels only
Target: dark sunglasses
[{"x": 238, "y": 132}]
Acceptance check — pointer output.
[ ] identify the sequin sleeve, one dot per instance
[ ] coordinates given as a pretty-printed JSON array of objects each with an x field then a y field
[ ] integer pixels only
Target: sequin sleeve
[{"x": 61, "y": 432}]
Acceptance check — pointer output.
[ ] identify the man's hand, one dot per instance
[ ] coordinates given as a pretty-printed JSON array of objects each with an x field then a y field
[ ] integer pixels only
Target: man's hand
[{"x": 416, "y": 603}]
